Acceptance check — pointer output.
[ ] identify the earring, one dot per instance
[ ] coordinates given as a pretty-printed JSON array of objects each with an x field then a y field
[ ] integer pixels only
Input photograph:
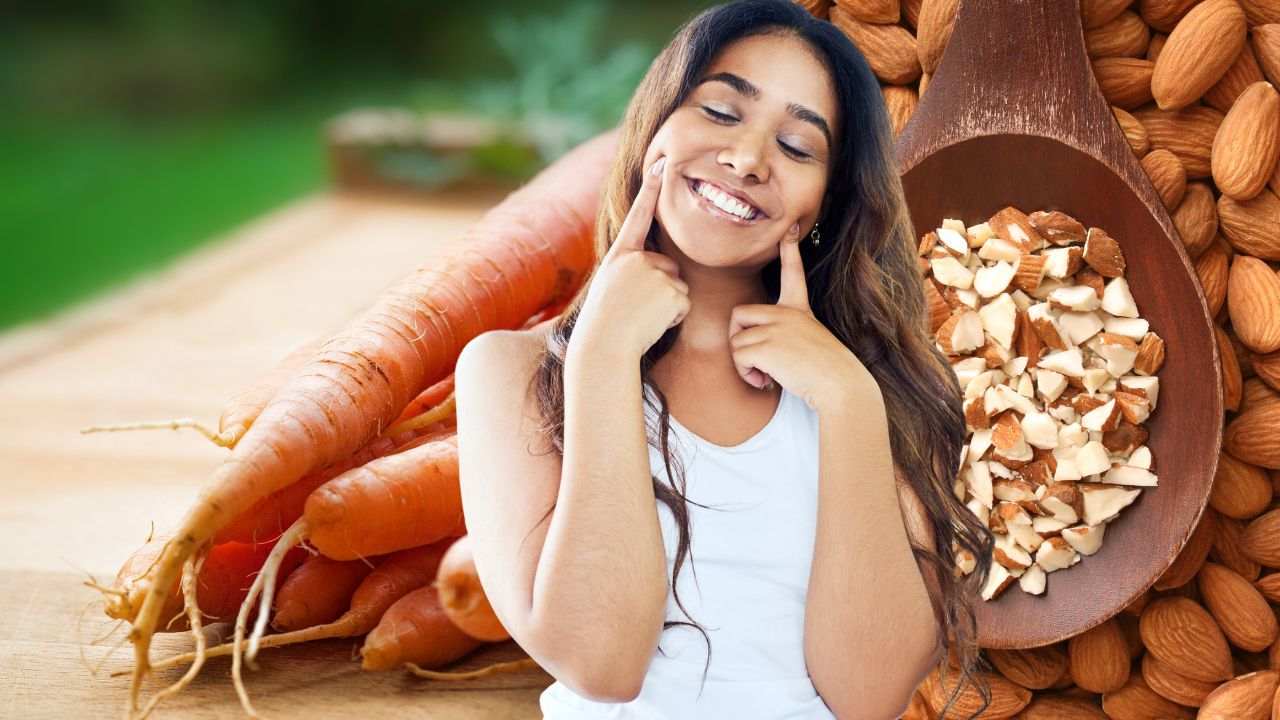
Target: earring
[{"x": 814, "y": 234}]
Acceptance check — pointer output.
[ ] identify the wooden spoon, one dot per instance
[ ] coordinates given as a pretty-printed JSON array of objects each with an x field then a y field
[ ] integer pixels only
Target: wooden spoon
[{"x": 1013, "y": 116}]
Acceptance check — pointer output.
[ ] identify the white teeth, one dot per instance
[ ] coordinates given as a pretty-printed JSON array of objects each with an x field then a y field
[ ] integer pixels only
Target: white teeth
[{"x": 725, "y": 202}]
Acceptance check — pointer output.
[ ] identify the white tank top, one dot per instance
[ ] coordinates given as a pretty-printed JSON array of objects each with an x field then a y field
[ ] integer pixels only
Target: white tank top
[{"x": 744, "y": 580}]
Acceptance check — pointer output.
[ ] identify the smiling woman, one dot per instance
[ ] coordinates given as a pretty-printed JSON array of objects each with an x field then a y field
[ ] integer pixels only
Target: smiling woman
[{"x": 757, "y": 280}]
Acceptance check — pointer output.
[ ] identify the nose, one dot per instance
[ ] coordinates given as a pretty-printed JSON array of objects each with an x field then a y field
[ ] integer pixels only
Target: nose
[{"x": 745, "y": 155}]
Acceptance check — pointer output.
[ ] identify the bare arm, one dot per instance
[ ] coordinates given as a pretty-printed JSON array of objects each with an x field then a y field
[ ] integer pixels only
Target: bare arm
[
  {"x": 849, "y": 631},
  {"x": 584, "y": 593}
]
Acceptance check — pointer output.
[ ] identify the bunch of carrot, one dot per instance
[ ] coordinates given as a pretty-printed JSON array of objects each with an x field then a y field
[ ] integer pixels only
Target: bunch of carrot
[{"x": 351, "y": 447}]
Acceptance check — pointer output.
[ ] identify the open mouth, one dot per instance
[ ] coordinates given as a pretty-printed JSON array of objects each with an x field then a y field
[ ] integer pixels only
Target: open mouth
[{"x": 722, "y": 205}]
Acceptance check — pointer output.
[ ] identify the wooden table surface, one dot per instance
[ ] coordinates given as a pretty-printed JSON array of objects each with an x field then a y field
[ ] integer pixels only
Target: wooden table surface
[{"x": 178, "y": 344}]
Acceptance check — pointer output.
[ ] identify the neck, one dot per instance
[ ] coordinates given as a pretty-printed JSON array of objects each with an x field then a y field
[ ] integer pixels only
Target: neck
[{"x": 713, "y": 293}]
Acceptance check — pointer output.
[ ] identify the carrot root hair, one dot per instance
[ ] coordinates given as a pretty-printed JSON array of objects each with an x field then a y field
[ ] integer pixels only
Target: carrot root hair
[
  {"x": 494, "y": 669},
  {"x": 226, "y": 439},
  {"x": 445, "y": 410},
  {"x": 190, "y": 571}
]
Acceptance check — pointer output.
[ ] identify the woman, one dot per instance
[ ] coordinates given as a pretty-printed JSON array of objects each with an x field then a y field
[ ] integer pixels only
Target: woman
[{"x": 756, "y": 321}]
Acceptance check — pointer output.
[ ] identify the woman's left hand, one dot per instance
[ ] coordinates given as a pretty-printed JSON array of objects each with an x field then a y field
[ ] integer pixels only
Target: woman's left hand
[{"x": 787, "y": 343}]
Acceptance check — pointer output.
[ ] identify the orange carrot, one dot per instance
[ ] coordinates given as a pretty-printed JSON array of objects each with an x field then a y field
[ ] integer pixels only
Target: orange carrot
[
  {"x": 415, "y": 629},
  {"x": 392, "y": 503},
  {"x": 533, "y": 249},
  {"x": 462, "y": 596},
  {"x": 317, "y": 592},
  {"x": 428, "y": 399},
  {"x": 238, "y": 414},
  {"x": 396, "y": 575}
]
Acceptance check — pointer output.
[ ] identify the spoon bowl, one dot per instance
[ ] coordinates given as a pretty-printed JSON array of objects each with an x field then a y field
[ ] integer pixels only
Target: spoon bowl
[{"x": 1013, "y": 116}]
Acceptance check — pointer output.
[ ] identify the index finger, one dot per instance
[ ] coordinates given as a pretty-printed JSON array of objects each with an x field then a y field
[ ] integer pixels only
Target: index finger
[
  {"x": 793, "y": 291},
  {"x": 636, "y": 225}
]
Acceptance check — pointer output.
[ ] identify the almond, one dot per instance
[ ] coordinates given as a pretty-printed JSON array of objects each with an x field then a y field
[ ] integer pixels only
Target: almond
[
  {"x": 1099, "y": 658},
  {"x": 1007, "y": 699},
  {"x": 1237, "y": 606},
  {"x": 1061, "y": 706},
  {"x": 1261, "y": 539},
  {"x": 1198, "y": 52},
  {"x": 1136, "y": 701},
  {"x": 1244, "y": 72},
  {"x": 1227, "y": 551},
  {"x": 937, "y": 20},
  {"x": 1150, "y": 354},
  {"x": 1187, "y": 133},
  {"x": 1183, "y": 635},
  {"x": 1193, "y": 553},
  {"x": 911, "y": 13},
  {"x": 1211, "y": 269},
  {"x": 901, "y": 102},
  {"x": 1094, "y": 13},
  {"x": 1247, "y": 145},
  {"x": 1240, "y": 490},
  {"x": 1254, "y": 437},
  {"x": 1035, "y": 668},
  {"x": 1135, "y": 133},
  {"x": 816, "y": 8},
  {"x": 1196, "y": 218},
  {"x": 1253, "y": 301},
  {"x": 1261, "y": 12},
  {"x": 1163, "y": 15},
  {"x": 1250, "y": 225},
  {"x": 1125, "y": 36},
  {"x": 1267, "y": 367},
  {"x": 1232, "y": 383},
  {"x": 1125, "y": 82},
  {"x": 1266, "y": 47},
  {"x": 1247, "y": 697},
  {"x": 1269, "y": 586},
  {"x": 890, "y": 49},
  {"x": 1167, "y": 176},
  {"x": 1155, "y": 46},
  {"x": 872, "y": 11},
  {"x": 1173, "y": 686}
]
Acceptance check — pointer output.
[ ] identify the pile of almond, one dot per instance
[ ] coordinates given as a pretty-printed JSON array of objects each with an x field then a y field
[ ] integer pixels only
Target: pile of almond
[
  {"x": 1058, "y": 371},
  {"x": 1192, "y": 84}
]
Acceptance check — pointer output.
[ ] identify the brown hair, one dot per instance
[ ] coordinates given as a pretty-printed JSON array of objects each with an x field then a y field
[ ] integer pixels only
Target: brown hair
[{"x": 864, "y": 286}]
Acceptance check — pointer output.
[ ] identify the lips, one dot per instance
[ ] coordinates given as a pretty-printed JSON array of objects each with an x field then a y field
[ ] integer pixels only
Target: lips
[{"x": 710, "y": 207}]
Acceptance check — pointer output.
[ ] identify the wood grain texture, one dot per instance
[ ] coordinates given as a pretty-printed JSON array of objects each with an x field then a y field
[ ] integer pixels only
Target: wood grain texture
[{"x": 1014, "y": 116}]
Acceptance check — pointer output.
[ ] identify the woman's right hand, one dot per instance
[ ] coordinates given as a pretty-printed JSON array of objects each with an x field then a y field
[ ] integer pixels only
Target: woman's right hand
[{"x": 636, "y": 295}]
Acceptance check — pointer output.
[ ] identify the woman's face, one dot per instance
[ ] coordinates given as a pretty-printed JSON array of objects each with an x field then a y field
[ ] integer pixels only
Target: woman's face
[{"x": 758, "y": 126}]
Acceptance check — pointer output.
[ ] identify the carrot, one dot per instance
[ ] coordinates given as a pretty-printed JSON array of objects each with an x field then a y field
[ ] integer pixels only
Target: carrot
[
  {"x": 317, "y": 592},
  {"x": 462, "y": 596},
  {"x": 267, "y": 518},
  {"x": 396, "y": 575},
  {"x": 415, "y": 629},
  {"x": 429, "y": 398},
  {"x": 534, "y": 249},
  {"x": 223, "y": 580}
]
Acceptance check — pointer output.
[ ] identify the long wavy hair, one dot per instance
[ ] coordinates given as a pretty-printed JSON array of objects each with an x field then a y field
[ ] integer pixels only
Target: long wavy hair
[{"x": 864, "y": 285}]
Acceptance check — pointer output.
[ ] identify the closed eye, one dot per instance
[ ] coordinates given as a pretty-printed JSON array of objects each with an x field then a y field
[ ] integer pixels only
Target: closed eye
[{"x": 725, "y": 119}]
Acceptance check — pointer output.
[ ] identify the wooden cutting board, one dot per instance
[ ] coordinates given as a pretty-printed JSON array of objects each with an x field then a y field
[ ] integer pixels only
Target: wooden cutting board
[{"x": 178, "y": 344}]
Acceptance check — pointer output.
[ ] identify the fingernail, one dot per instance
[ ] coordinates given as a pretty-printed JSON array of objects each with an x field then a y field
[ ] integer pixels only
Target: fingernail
[{"x": 656, "y": 167}]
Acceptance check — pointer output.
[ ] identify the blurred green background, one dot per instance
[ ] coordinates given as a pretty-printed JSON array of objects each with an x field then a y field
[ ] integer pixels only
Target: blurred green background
[{"x": 134, "y": 131}]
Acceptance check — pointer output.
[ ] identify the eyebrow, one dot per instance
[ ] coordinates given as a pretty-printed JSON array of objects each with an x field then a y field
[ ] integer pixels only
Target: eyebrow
[{"x": 744, "y": 87}]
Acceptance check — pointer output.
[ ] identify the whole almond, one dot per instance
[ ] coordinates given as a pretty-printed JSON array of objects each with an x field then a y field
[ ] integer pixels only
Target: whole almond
[
  {"x": 890, "y": 50},
  {"x": 1261, "y": 12},
  {"x": 1061, "y": 707},
  {"x": 1007, "y": 698},
  {"x": 1173, "y": 686},
  {"x": 1155, "y": 46},
  {"x": 1267, "y": 367},
  {"x": 1265, "y": 40},
  {"x": 1136, "y": 701},
  {"x": 1167, "y": 175},
  {"x": 1125, "y": 36},
  {"x": 1196, "y": 218},
  {"x": 937, "y": 20},
  {"x": 911, "y": 13},
  {"x": 901, "y": 102},
  {"x": 1183, "y": 635},
  {"x": 1125, "y": 82},
  {"x": 1261, "y": 540},
  {"x": 1240, "y": 490},
  {"x": 1250, "y": 225},
  {"x": 1254, "y": 437},
  {"x": 872, "y": 11},
  {"x": 1232, "y": 383},
  {"x": 1256, "y": 392},
  {"x": 1253, "y": 301},
  {"x": 1239, "y": 609},
  {"x": 817, "y": 8},
  {"x": 1247, "y": 145},
  {"x": 1099, "y": 658},
  {"x": 1226, "y": 549},
  {"x": 1187, "y": 133},
  {"x": 1200, "y": 49},
  {"x": 1034, "y": 668},
  {"x": 1191, "y": 556},
  {"x": 1269, "y": 586},
  {"x": 1244, "y": 72},
  {"x": 1248, "y": 697},
  {"x": 1094, "y": 13},
  {"x": 1163, "y": 15},
  {"x": 1211, "y": 268},
  {"x": 1135, "y": 133}
]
